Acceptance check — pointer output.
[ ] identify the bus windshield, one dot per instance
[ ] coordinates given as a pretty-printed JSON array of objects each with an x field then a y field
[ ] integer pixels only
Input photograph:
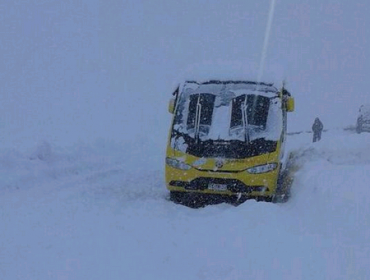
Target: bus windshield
[{"x": 226, "y": 123}]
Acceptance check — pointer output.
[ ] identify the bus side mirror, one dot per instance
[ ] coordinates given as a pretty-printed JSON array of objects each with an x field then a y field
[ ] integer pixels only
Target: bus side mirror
[
  {"x": 290, "y": 104},
  {"x": 171, "y": 105}
]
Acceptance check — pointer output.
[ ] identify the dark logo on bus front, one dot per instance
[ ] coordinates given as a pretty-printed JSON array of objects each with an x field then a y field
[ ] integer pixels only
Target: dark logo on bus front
[{"x": 219, "y": 163}]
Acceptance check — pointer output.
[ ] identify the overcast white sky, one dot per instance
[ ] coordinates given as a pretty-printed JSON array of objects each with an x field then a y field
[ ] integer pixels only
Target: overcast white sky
[{"x": 119, "y": 61}]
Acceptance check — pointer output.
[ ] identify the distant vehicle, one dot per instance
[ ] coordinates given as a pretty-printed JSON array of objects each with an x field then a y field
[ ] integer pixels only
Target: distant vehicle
[
  {"x": 227, "y": 138},
  {"x": 363, "y": 120}
]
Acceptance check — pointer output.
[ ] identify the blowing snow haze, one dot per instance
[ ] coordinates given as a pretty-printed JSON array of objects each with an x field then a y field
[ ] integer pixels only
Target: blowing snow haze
[
  {"x": 80, "y": 70},
  {"x": 85, "y": 86}
]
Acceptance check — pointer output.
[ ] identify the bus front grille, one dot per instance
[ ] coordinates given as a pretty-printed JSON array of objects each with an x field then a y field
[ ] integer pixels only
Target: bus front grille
[{"x": 204, "y": 183}]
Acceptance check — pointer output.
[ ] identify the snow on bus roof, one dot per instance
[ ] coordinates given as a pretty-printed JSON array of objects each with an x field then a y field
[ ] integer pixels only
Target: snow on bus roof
[
  {"x": 230, "y": 82},
  {"x": 238, "y": 87}
]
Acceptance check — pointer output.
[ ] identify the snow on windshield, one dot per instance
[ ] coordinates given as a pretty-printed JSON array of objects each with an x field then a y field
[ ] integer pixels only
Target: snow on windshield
[{"x": 220, "y": 112}]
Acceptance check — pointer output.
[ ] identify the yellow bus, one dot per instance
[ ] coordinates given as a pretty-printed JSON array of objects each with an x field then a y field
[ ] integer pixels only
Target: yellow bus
[{"x": 227, "y": 140}]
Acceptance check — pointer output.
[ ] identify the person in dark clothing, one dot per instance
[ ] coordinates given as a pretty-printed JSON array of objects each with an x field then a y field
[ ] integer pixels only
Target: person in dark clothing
[{"x": 317, "y": 128}]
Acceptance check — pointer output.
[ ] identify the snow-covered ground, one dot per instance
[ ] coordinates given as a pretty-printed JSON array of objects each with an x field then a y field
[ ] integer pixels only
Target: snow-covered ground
[{"x": 99, "y": 211}]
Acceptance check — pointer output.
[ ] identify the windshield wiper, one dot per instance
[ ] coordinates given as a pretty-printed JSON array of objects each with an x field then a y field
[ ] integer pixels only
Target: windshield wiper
[
  {"x": 198, "y": 111},
  {"x": 245, "y": 120}
]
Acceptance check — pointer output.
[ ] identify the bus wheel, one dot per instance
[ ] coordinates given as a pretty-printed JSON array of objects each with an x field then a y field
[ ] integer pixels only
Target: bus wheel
[
  {"x": 264, "y": 198},
  {"x": 185, "y": 198},
  {"x": 192, "y": 200},
  {"x": 177, "y": 197}
]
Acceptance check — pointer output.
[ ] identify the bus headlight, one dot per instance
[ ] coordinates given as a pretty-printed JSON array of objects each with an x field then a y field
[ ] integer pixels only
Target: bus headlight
[
  {"x": 177, "y": 164},
  {"x": 262, "y": 168}
]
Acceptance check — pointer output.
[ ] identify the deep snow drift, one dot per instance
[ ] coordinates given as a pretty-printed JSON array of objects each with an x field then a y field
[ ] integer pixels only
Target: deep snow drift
[{"x": 100, "y": 211}]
